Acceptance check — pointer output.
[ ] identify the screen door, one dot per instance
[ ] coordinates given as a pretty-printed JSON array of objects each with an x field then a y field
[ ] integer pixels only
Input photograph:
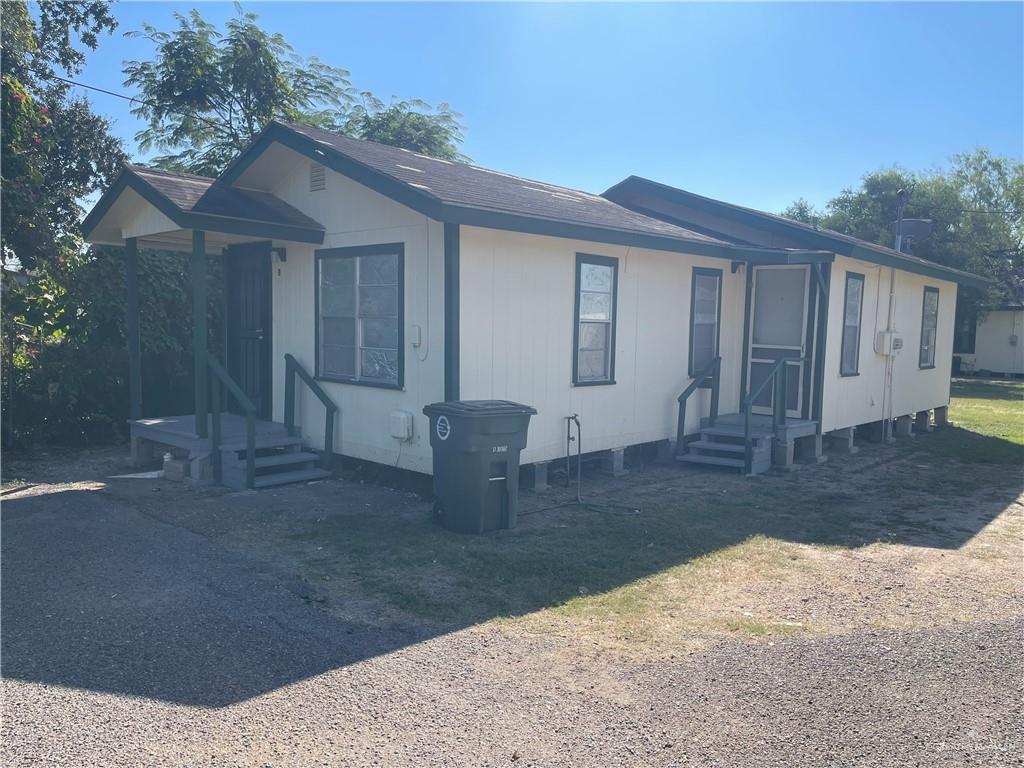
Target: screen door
[{"x": 778, "y": 325}]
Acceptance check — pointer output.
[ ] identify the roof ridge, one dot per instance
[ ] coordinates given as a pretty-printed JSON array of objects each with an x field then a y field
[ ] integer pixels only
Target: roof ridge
[
  {"x": 165, "y": 172},
  {"x": 300, "y": 127}
]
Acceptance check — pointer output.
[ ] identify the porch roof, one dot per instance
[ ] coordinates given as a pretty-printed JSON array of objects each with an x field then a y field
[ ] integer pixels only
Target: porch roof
[{"x": 171, "y": 203}]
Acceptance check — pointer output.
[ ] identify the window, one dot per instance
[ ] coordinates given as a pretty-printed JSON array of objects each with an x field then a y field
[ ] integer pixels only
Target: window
[
  {"x": 929, "y": 321},
  {"x": 705, "y": 316},
  {"x": 849, "y": 358},
  {"x": 594, "y": 357},
  {"x": 359, "y": 314}
]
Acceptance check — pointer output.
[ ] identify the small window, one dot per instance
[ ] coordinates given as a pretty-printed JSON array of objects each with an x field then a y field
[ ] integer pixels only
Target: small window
[
  {"x": 360, "y": 318},
  {"x": 853, "y": 310},
  {"x": 705, "y": 316},
  {"x": 317, "y": 177},
  {"x": 929, "y": 322},
  {"x": 594, "y": 355}
]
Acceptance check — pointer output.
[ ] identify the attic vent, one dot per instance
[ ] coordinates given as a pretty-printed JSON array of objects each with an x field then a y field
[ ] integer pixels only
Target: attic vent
[{"x": 317, "y": 177}]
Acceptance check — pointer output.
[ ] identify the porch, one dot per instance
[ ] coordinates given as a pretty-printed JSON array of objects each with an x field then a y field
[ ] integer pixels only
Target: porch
[{"x": 230, "y": 437}]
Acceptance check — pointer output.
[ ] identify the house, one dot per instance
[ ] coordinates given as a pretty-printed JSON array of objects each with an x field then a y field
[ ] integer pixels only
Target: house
[
  {"x": 365, "y": 281},
  {"x": 995, "y": 346}
]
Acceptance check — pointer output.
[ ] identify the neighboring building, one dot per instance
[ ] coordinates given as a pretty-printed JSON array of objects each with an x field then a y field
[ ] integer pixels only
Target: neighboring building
[
  {"x": 996, "y": 346},
  {"x": 397, "y": 280}
]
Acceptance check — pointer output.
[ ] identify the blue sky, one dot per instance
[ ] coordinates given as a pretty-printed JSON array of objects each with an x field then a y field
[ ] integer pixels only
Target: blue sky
[{"x": 755, "y": 104}]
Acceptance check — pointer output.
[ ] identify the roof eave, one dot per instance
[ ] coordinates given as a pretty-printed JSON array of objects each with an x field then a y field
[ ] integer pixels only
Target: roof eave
[{"x": 852, "y": 248}]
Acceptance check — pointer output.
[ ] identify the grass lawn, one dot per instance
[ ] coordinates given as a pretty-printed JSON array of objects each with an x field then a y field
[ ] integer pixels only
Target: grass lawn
[
  {"x": 988, "y": 423},
  {"x": 706, "y": 553}
]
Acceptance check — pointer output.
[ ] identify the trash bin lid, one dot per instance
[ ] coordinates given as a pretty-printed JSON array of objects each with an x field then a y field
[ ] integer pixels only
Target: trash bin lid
[{"x": 479, "y": 408}]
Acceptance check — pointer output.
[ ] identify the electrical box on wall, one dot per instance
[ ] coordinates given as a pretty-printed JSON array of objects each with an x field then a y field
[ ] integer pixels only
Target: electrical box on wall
[
  {"x": 401, "y": 425},
  {"x": 888, "y": 343}
]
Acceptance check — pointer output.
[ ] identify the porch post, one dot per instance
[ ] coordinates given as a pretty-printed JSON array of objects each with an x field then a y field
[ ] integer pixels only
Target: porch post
[
  {"x": 131, "y": 258},
  {"x": 198, "y": 268}
]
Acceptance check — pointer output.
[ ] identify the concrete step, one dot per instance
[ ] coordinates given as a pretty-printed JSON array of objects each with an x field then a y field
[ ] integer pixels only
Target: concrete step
[
  {"x": 277, "y": 460},
  {"x": 296, "y": 476},
  {"x": 718, "y": 461}
]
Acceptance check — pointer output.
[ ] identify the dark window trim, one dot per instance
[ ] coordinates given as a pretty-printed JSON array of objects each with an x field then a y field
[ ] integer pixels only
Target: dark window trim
[
  {"x": 935, "y": 341},
  {"x": 709, "y": 272},
  {"x": 860, "y": 323},
  {"x": 354, "y": 252},
  {"x": 604, "y": 261}
]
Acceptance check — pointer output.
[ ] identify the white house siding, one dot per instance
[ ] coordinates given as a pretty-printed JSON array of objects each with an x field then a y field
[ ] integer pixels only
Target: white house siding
[
  {"x": 853, "y": 400},
  {"x": 516, "y": 326},
  {"x": 355, "y": 215},
  {"x": 999, "y": 343}
]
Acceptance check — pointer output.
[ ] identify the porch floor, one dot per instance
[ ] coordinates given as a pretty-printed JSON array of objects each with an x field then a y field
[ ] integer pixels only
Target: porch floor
[{"x": 180, "y": 431}]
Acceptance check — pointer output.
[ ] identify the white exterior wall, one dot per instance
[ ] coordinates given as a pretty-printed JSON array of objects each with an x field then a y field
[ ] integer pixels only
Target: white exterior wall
[
  {"x": 998, "y": 343},
  {"x": 355, "y": 215},
  {"x": 852, "y": 400},
  {"x": 517, "y": 301}
]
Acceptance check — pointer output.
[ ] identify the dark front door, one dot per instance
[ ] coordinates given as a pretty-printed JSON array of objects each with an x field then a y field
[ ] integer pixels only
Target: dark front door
[{"x": 249, "y": 322}]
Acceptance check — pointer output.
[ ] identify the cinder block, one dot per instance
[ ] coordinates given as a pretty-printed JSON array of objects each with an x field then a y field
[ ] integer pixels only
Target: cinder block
[
  {"x": 942, "y": 416},
  {"x": 841, "y": 440},
  {"x": 809, "y": 449},
  {"x": 922, "y": 422},
  {"x": 540, "y": 475},
  {"x": 782, "y": 454},
  {"x": 176, "y": 469},
  {"x": 903, "y": 427},
  {"x": 615, "y": 462}
]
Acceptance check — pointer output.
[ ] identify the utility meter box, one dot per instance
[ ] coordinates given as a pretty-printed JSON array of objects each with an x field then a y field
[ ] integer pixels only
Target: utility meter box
[
  {"x": 888, "y": 343},
  {"x": 401, "y": 425}
]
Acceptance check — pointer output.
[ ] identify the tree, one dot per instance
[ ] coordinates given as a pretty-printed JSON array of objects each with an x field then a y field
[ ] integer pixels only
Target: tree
[
  {"x": 54, "y": 151},
  {"x": 412, "y": 125},
  {"x": 205, "y": 94},
  {"x": 977, "y": 212},
  {"x": 801, "y": 210}
]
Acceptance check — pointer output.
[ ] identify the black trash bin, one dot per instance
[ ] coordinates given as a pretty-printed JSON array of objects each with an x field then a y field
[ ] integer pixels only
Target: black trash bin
[{"x": 476, "y": 462}]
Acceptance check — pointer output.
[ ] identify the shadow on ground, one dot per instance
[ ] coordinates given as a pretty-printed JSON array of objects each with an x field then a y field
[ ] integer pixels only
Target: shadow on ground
[{"x": 145, "y": 589}]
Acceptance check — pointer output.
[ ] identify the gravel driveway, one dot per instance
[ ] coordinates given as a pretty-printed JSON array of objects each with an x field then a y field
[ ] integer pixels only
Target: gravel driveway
[{"x": 131, "y": 641}]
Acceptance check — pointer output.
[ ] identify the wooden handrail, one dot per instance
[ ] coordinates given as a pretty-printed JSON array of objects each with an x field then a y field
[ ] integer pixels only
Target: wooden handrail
[
  {"x": 778, "y": 376},
  {"x": 292, "y": 369},
  {"x": 713, "y": 371},
  {"x": 223, "y": 378}
]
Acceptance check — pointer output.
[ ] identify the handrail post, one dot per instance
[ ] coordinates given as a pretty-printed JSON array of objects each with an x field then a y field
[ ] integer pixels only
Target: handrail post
[
  {"x": 250, "y": 449},
  {"x": 748, "y": 446},
  {"x": 289, "y": 395},
  {"x": 779, "y": 409},
  {"x": 215, "y": 427},
  {"x": 715, "y": 382},
  {"x": 680, "y": 427},
  {"x": 325, "y": 460}
]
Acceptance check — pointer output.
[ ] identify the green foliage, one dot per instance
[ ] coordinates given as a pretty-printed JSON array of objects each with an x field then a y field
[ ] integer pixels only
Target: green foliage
[
  {"x": 801, "y": 210},
  {"x": 412, "y": 125},
  {"x": 205, "y": 94},
  {"x": 977, "y": 210},
  {"x": 55, "y": 151}
]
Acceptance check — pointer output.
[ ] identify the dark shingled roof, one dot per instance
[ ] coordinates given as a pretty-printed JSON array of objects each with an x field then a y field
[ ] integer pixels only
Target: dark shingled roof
[
  {"x": 812, "y": 236},
  {"x": 468, "y": 185},
  {"x": 201, "y": 194}
]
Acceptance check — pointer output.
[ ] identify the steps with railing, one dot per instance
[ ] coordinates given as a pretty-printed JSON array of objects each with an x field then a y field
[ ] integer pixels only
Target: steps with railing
[
  {"x": 743, "y": 443},
  {"x": 274, "y": 454}
]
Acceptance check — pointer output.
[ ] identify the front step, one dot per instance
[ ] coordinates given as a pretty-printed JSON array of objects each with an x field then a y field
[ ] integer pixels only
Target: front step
[
  {"x": 297, "y": 476},
  {"x": 718, "y": 461},
  {"x": 280, "y": 459},
  {"x": 723, "y": 446}
]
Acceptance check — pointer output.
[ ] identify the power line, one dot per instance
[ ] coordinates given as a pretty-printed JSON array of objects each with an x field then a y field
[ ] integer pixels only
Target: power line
[{"x": 132, "y": 99}]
